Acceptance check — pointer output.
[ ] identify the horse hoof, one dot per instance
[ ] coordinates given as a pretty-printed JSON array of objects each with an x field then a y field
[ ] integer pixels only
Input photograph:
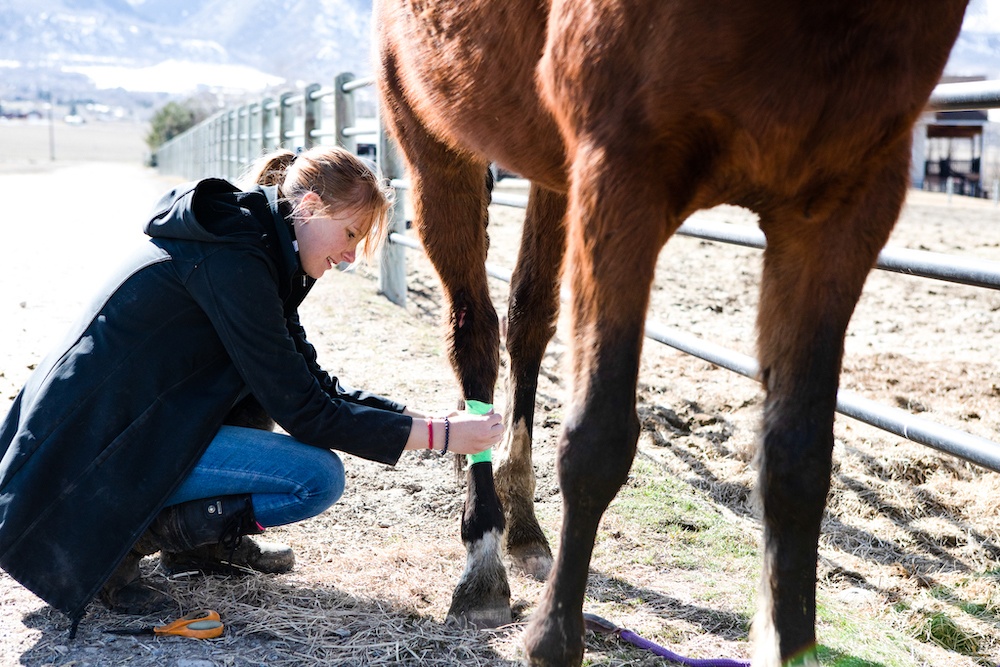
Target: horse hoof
[
  {"x": 547, "y": 644},
  {"x": 483, "y": 618},
  {"x": 482, "y": 602},
  {"x": 534, "y": 561},
  {"x": 481, "y": 609}
]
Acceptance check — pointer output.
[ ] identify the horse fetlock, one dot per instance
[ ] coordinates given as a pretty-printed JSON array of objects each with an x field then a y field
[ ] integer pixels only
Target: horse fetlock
[
  {"x": 767, "y": 641},
  {"x": 482, "y": 596}
]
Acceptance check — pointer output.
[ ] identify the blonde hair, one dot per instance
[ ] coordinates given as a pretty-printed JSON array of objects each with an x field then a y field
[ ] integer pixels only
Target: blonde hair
[{"x": 341, "y": 180}]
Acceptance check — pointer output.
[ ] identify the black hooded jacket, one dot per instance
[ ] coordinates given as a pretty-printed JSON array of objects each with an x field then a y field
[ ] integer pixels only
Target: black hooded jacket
[{"x": 112, "y": 421}]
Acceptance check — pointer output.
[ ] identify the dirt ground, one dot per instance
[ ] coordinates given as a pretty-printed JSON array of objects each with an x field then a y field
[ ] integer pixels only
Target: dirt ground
[{"x": 910, "y": 534}]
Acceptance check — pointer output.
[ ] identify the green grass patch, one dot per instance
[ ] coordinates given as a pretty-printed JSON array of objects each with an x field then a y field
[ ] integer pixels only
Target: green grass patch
[
  {"x": 698, "y": 534},
  {"x": 850, "y": 639},
  {"x": 941, "y": 629}
]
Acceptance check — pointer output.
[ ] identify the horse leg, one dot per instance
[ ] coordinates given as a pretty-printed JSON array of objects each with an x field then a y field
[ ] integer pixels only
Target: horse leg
[
  {"x": 616, "y": 226},
  {"x": 450, "y": 205},
  {"x": 814, "y": 270},
  {"x": 534, "y": 304},
  {"x": 449, "y": 196}
]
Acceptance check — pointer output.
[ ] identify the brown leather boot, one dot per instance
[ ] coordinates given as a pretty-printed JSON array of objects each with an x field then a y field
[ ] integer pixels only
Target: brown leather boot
[
  {"x": 256, "y": 555},
  {"x": 209, "y": 535},
  {"x": 126, "y": 593}
]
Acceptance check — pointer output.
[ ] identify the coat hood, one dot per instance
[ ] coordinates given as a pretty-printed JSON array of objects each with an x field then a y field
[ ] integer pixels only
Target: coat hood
[{"x": 216, "y": 211}]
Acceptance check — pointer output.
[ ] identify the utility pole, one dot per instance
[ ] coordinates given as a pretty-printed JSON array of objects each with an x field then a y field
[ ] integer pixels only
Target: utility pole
[{"x": 52, "y": 130}]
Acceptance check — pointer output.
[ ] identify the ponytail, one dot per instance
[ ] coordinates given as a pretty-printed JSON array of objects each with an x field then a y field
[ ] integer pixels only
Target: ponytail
[{"x": 268, "y": 169}]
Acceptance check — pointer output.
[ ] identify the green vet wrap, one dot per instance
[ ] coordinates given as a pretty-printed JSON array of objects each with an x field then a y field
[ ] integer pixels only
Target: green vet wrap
[{"x": 479, "y": 408}]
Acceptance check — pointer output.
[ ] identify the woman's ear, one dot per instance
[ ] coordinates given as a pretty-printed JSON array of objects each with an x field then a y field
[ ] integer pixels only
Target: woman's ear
[{"x": 307, "y": 206}]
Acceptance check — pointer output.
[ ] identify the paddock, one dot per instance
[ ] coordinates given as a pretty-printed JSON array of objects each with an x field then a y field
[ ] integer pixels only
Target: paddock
[{"x": 653, "y": 314}]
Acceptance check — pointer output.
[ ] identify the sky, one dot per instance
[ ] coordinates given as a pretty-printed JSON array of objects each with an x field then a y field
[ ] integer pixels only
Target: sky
[{"x": 983, "y": 16}]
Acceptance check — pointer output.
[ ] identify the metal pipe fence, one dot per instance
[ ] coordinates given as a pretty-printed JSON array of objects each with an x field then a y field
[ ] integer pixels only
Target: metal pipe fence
[{"x": 226, "y": 143}]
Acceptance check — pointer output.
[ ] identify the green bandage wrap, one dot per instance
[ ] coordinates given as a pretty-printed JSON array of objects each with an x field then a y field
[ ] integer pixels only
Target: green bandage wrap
[{"x": 479, "y": 408}]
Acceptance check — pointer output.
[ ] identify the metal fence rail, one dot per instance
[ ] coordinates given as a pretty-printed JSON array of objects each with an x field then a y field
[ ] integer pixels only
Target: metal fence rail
[{"x": 226, "y": 143}]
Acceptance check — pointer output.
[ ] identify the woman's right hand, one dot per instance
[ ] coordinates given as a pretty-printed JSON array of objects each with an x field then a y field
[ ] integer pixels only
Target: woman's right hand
[
  {"x": 467, "y": 433},
  {"x": 470, "y": 433}
]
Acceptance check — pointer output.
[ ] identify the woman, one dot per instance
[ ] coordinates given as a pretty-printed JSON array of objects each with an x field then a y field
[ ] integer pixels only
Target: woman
[{"x": 116, "y": 447}]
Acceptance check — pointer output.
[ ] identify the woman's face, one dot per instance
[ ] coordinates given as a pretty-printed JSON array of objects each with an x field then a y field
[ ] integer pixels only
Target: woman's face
[{"x": 326, "y": 241}]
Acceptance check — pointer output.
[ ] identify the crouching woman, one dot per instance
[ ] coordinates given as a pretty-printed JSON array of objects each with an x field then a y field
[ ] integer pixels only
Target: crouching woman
[{"x": 133, "y": 436}]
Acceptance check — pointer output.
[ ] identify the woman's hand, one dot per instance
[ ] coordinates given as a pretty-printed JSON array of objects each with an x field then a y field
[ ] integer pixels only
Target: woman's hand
[{"x": 466, "y": 433}]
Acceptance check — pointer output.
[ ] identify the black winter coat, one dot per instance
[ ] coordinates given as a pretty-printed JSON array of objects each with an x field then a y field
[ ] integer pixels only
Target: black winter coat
[{"x": 111, "y": 422}]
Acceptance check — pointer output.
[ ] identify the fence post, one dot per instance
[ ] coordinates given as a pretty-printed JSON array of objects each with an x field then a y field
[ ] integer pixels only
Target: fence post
[
  {"x": 242, "y": 126},
  {"x": 314, "y": 112},
  {"x": 220, "y": 144},
  {"x": 252, "y": 148},
  {"x": 392, "y": 260},
  {"x": 228, "y": 149},
  {"x": 266, "y": 125},
  {"x": 343, "y": 112},
  {"x": 286, "y": 119}
]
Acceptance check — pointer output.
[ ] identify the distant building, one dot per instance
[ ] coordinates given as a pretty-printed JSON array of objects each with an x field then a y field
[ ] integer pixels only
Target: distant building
[{"x": 950, "y": 145}]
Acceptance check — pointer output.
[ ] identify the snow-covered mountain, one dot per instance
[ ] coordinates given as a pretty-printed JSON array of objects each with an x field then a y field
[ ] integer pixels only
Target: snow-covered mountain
[{"x": 58, "y": 41}]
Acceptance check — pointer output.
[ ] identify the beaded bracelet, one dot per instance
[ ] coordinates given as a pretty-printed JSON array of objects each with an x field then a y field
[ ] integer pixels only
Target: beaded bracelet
[{"x": 447, "y": 429}]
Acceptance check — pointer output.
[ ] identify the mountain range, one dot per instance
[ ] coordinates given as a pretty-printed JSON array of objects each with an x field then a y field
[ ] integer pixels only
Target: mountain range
[{"x": 52, "y": 44}]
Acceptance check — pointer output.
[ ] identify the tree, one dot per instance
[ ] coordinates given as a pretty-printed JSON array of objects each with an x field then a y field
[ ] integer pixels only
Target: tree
[{"x": 172, "y": 119}]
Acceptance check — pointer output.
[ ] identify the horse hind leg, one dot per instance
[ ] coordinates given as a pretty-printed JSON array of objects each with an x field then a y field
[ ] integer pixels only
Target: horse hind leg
[
  {"x": 616, "y": 225},
  {"x": 534, "y": 304},
  {"x": 814, "y": 271}
]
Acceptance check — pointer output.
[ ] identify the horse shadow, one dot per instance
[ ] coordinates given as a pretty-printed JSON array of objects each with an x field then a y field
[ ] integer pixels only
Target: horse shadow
[{"x": 917, "y": 551}]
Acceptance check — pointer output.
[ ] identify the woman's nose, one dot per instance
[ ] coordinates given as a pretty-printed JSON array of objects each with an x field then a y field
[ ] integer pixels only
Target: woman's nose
[{"x": 349, "y": 257}]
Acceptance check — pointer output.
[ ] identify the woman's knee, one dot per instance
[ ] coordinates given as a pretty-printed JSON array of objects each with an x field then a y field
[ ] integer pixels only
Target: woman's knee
[{"x": 326, "y": 481}]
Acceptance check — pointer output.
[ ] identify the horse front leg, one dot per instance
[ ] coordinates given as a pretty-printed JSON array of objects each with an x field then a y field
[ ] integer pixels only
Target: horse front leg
[
  {"x": 450, "y": 197},
  {"x": 450, "y": 206},
  {"x": 814, "y": 271},
  {"x": 451, "y": 220},
  {"x": 531, "y": 315},
  {"x": 615, "y": 232}
]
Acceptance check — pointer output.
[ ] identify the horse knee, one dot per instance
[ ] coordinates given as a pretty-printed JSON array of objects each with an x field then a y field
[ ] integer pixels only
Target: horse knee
[{"x": 595, "y": 456}]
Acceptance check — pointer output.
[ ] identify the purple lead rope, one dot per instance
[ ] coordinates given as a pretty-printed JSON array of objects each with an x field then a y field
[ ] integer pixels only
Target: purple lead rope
[{"x": 597, "y": 624}]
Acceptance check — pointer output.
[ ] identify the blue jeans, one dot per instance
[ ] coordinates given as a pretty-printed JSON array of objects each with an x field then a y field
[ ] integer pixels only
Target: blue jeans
[{"x": 288, "y": 481}]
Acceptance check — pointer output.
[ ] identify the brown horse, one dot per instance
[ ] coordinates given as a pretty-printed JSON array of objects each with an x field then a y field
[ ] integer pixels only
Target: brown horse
[{"x": 627, "y": 117}]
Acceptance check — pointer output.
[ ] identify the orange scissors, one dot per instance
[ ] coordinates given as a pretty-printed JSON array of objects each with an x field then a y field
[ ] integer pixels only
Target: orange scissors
[{"x": 203, "y": 624}]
